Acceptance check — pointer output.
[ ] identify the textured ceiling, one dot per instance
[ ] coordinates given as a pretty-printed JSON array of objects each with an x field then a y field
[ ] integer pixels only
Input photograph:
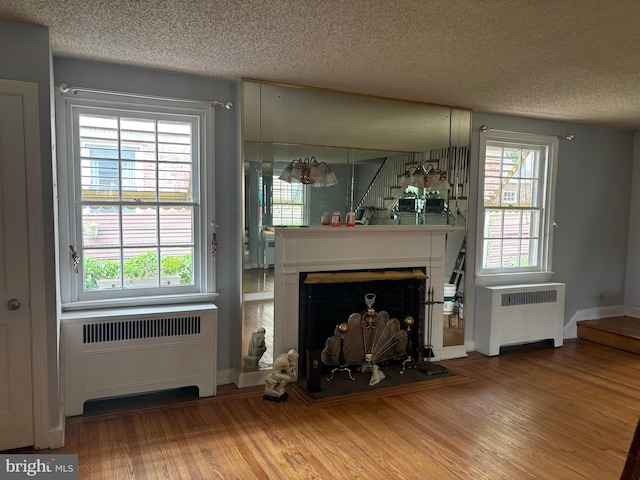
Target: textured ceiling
[{"x": 571, "y": 60}]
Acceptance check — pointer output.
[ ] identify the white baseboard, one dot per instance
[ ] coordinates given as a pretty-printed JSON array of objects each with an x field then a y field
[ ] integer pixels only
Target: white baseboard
[
  {"x": 258, "y": 296},
  {"x": 632, "y": 312},
  {"x": 55, "y": 437},
  {"x": 252, "y": 379}
]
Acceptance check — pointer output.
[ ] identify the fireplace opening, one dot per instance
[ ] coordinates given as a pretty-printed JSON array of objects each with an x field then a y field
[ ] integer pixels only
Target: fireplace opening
[{"x": 329, "y": 298}]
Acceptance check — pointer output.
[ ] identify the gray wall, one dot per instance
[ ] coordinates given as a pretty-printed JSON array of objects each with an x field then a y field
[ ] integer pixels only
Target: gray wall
[
  {"x": 25, "y": 56},
  {"x": 632, "y": 281},
  {"x": 592, "y": 211},
  {"x": 329, "y": 199},
  {"x": 228, "y": 177}
]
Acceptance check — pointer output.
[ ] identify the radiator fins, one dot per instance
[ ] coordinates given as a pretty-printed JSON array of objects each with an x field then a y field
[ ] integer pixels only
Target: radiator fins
[
  {"x": 532, "y": 297},
  {"x": 114, "y": 331}
]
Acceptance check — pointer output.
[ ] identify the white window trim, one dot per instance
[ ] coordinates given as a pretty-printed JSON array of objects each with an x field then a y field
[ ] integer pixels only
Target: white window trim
[
  {"x": 66, "y": 219},
  {"x": 544, "y": 272}
]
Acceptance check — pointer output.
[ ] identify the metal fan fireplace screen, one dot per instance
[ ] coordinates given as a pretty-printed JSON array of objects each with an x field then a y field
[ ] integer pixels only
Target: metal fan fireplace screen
[{"x": 367, "y": 339}]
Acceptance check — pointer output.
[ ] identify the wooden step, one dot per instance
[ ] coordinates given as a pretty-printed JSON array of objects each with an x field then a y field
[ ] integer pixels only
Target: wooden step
[{"x": 617, "y": 332}]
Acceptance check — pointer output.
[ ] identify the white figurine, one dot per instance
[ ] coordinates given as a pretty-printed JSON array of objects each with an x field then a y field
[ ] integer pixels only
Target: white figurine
[
  {"x": 257, "y": 347},
  {"x": 285, "y": 369},
  {"x": 376, "y": 375}
]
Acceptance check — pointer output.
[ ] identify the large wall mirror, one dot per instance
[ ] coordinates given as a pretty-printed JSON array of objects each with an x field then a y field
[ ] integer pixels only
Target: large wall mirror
[{"x": 388, "y": 161}]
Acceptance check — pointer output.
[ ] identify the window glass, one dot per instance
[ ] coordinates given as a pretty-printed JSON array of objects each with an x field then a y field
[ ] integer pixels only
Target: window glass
[
  {"x": 516, "y": 204},
  {"x": 288, "y": 203},
  {"x": 136, "y": 214}
]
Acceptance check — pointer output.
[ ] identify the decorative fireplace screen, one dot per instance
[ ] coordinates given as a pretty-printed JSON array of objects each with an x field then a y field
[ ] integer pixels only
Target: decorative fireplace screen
[{"x": 368, "y": 339}]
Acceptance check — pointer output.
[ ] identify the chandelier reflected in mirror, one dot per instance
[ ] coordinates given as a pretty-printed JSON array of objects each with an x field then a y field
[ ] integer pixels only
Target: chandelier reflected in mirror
[
  {"x": 309, "y": 172},
  {"x": 425, "y": 176}
]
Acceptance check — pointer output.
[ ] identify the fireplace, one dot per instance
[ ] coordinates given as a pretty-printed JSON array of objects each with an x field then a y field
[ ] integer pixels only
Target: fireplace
[
  {"x": 304, "y": 250},
  {"x": 326, "y": 300}
]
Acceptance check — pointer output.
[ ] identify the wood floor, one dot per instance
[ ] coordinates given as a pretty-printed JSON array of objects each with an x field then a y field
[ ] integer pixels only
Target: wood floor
[{"x": 559, "y": 413}]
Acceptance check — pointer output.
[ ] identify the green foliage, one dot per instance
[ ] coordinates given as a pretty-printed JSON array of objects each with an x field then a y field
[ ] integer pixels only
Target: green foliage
[
  {"x": 139, "y": 267},
  {"x": 97, "y": 269},
  {"x": 524, "y": 261},
  {"x": 171, "y": 265}
]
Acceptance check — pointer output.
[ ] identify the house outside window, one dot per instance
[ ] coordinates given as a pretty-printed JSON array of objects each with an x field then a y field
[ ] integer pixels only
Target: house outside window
[
  {"x": 515, "y": 206},
  {"x": 135, "y": 200}
]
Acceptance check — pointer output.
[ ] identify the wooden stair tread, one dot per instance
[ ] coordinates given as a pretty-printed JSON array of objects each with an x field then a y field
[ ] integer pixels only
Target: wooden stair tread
[
  {"x": 627, "y": 326},
  {"x": 617, "y": 332}
]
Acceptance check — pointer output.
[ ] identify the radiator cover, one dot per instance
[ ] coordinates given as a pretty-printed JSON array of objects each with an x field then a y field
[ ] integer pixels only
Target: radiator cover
[
  {"x": 116, "y": 352},
  {"x": 514, "y": 314}
]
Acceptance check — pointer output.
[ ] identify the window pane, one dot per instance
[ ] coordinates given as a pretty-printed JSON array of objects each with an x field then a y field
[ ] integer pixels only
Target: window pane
[
  {"x": 101, "y": 269},
  {"x": 288, "y": 203},
  {"x": 510, "y": 253},
  {"x": 529, "y": 193},
  {"x": 101, "y": 226},
  {"x": 512, "y": 227},
  {"x": 98, "y": 131},
  {"x": 138, "y": 138},
  {"x": 140, "y": 267},
  {"x": 139, "y": 181},
  {"x": 493, "y": 223},
  {"x": 139, "y": 226},
  {"x": 99, "y": 180},
  {"x": 491, "y": 256},
  {"x": 176, "y": 266},
  {"x": 174, "y": 182},
  {"x": 176, "y": 226},
  {"x": 511, "y": 163},
  {"x": 492, "y": 191},
  {"x": 531, "y": 164},
  {"x": 174, "y": 142},
  {"x": 511, "y": 192},
  {"x": 493, "y": 161}
]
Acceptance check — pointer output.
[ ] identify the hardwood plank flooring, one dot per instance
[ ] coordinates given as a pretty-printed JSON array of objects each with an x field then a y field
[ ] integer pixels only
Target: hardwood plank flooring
[{"x": 559, "y": 413}]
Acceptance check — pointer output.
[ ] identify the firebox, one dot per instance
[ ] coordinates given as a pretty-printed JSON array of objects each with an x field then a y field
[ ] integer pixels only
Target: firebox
[{"x": 327, "y": 299}]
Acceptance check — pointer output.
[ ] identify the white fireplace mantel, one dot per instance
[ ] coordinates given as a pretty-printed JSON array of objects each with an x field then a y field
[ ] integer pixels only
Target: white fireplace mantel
[{"x": 326, "y": 249}]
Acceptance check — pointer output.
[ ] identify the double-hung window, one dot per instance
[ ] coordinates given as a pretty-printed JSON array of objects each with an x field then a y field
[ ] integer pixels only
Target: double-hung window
[
  {"x": 136, "y": 177},
  {"x": 288, "y": 203},
  {"x": 515, "y": 206}
]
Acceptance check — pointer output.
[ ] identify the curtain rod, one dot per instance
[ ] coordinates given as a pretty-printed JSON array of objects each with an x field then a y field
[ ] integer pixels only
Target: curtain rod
[
  {"x": 67, "y": 88},
  {"x": 486, "y": 128}
]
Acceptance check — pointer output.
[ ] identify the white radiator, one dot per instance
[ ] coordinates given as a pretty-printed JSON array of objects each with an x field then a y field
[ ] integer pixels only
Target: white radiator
[
  {"x": 125, "y": 351},
  {"x": 514, "y": 314}
]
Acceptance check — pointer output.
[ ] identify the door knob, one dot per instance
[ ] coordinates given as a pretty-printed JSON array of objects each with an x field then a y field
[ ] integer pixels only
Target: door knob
[{"x": 14, "y": 304}]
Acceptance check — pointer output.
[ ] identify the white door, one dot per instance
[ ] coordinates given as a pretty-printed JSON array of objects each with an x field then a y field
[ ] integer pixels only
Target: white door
[{"x": 16, "y": 411}]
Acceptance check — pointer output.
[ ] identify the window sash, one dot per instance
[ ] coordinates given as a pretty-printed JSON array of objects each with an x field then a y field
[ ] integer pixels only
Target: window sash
[
  {"x": 517, "y": 173},
  {"x": 187, "y": 198},
  {"x": 288, "y": 204}
]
